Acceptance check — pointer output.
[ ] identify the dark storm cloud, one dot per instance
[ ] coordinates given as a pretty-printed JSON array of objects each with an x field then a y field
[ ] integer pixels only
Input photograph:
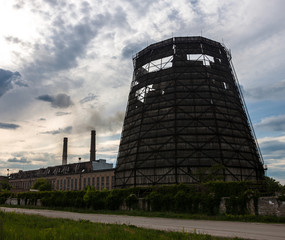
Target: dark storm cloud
[
  {"x": 18, "y": 160},
  {"x": 8, "y": 79},
  {"x": 60, "y": 130},
  {"x": 60, "y": 100},
  {"x": 89, "y": 98},
  {"x": 131, "y": 49},
  {"x": 274, "y": 91},
  {"x": 275, "y": 123},
  {"x": 46, "y": 98},
  {"x": 67, "y": 43},
  {"x": 62, "y": 113},
  {"x": 9, "y": 126}
]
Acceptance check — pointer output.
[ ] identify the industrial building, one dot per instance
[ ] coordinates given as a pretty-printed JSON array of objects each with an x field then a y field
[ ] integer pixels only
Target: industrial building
[
  {"x": 186, "y": 119},
  {"x": 74, "y": 176}
]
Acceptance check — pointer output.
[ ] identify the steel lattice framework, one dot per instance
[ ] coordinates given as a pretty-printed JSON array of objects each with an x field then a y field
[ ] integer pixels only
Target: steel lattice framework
[{"x": 186, "y": 120}]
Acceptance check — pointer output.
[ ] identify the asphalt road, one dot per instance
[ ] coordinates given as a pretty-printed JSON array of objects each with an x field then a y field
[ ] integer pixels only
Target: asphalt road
[{"x": 258, "y": 231}]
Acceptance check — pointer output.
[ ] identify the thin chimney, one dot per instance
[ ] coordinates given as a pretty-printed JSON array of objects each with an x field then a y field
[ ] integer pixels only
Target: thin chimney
[
  {"x": 64, "y": 154},
  {"x": 93, "y": 146}
]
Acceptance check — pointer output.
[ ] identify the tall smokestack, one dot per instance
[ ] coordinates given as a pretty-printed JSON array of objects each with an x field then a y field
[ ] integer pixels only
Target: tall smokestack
[
  {"x": 64, "y": 153},
  {"x": 93, "y": 146}
]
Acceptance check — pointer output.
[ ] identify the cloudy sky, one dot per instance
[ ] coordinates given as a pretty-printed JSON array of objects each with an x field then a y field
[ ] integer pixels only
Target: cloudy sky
[{"x": 66, "y": 68}]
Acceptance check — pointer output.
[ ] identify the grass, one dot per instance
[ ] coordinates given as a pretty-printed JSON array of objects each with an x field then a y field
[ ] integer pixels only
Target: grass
[
  {"x": 227, "y": 217},
  {"x": 22, "y": 227}
]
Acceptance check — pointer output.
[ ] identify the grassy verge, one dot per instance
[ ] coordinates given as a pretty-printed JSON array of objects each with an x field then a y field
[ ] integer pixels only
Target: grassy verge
[
  {"x": 226, "y": 217},
  {"x": 19, "y": 226}
]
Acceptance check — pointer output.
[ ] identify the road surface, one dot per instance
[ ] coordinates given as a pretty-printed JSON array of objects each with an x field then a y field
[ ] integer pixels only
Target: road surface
[{"x": 258, "y": 231}]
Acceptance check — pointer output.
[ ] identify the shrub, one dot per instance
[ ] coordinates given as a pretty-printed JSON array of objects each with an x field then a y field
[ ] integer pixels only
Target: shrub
[
  {"x": 155, "y": 200},
  {"x": 42, "y": 185},
  {"x": 115, "y": 199},
  {"x": 96, "y": 199},
  {"x": 132, "y": 201}
]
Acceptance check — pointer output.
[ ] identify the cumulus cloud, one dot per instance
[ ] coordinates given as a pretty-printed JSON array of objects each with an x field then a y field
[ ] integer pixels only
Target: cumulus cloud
[
  {"x": 8, "y": 79},
  {"x": 9, "y": 126},
  {"x": 66, "y": 130},
  {"x": 275, "y": 123},
  {"x": 60, "y": 100},
  {"x": 18, "y": 160},
  {"x": 89, "y": 98},
  {"x": 273, "y": 91},
  {"x": 273, "y": 151},
  {"x": 16, "y": 40}
]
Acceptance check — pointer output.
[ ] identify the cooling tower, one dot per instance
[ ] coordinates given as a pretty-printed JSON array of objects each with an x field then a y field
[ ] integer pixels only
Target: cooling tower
[{"x": 186, "y": 121}]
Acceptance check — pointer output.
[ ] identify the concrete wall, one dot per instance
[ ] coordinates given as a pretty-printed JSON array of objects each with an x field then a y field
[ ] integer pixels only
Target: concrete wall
[
  {"x": 267, "y": 206},
  {"x": 271, "y": 206}
]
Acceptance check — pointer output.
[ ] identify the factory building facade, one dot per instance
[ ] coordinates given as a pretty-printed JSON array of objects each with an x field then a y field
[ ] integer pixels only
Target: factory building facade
[{"x": 75, "y": 176}]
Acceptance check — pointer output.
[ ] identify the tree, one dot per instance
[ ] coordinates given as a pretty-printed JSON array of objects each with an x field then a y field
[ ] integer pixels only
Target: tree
[
  {"x": 4, "y": 184},
  {"x": 42, "y": 185},
  {"x": 272, "y": 186}
]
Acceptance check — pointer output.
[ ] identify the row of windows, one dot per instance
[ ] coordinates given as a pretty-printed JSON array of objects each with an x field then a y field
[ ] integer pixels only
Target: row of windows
[{"x": 98, "y": 183}]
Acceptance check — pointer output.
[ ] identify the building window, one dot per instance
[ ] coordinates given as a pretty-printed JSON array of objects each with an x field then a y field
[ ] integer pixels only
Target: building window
[
  {"x": 93, "y": 181},
  {"x": 102, "y": 183},
  {"x": 79, "y": 184},
  {"x": 75, "y": 183},
  {"x": 84, "y": 182},
  {"x": 97, "y": 186},
  {"x": 107, "y": 183},
  {"x": 72, "y": 184},
  {"x": 88, "y": 181},
  {"x": 68, "y": 184},
  {"x": 64, "y": 184},
  {"x": 60, "y": 184},
  {"x": 113, "y": 181}
]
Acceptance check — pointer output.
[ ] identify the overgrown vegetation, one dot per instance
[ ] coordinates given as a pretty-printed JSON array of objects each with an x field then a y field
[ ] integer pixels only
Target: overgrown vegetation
[
  {"x": 18, "y": 226},
  {"x": 42, "y": 185},
  {"x": 4, "y": 185},
  {"x": 201, "y": 198}
]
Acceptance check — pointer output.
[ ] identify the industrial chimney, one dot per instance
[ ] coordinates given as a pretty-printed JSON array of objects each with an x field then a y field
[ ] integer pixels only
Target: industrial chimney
[
  {"x": 93, "y": 146},
  {"x": 64, "y": 154}
]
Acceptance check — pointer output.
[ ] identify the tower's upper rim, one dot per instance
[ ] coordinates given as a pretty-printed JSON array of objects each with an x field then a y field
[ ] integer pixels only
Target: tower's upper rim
[{"x": 177, "y": 40}]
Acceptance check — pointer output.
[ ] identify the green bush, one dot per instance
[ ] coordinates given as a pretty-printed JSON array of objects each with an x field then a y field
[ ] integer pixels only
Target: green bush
[
  {"x": 4, "y": 185},
  {"x": 42, "y": 185},
  {"x": 4, "y": 196},
  {"x": 155, "y": 200},
  {"x": 132, "y": 201},
  {"x": 96, "y": 199},
  {"x": 115, "y": 199}
]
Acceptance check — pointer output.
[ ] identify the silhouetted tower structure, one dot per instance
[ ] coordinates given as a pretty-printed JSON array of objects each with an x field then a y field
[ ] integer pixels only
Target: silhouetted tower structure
[
  {"x": 93, "y": 146},
  {"x": 64, "y": 152},
  {"x": 186, "y": 120}
]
